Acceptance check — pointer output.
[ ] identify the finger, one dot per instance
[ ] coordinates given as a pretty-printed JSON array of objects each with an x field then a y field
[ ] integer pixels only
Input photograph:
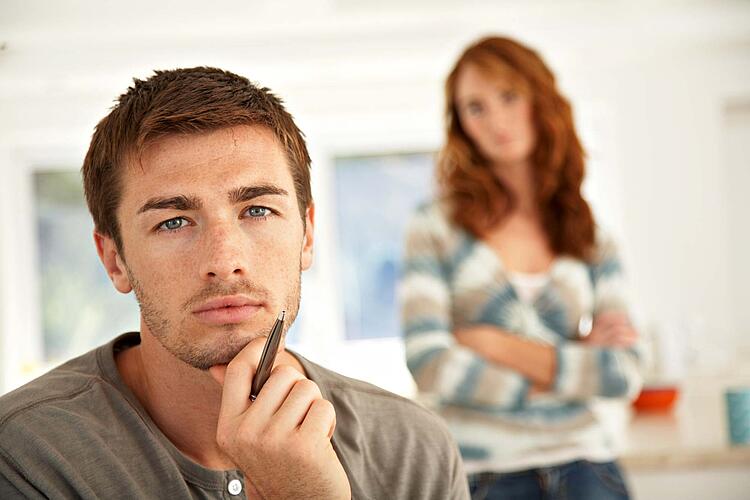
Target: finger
[
  {"x": 602, "y": 337},
  {"x": 238, "y": 378},
  {"x": 628, "y": 340},
  {"x": 619, "y": 337},
  {"x": 332, "y": 428},
  {"x": 292, "y": 412},
  {"x": 623, "y": 333},
  {"x": 633, "y": 332},
  {"x": 218, "y": 372},
  {"x": 274, "y": 392},
  {"x": 611, "y": 319},
  {"x": 320, "y": 419},
  {"x": 596, "y": 337},
  {"x": 607, "y": 324}
]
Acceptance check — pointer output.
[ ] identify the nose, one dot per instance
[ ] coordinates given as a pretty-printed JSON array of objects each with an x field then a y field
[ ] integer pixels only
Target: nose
[
  {"x": 498, "y": 115},
  {"x": 224, "y": 249}
]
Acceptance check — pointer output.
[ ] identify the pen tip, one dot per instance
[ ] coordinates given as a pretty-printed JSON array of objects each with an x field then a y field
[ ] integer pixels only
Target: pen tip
[{"x": 281, "y": 316}]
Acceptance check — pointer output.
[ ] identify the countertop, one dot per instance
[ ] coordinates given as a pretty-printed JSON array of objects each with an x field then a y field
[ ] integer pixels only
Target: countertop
[{"x": 692, "y": 434}]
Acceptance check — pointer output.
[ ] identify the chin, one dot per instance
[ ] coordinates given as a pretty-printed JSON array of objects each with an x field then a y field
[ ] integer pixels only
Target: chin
[
  {"x": 217, "y": 349},
  {"x": 203, "y": 359},
  {"x": 232, "y": 342}
]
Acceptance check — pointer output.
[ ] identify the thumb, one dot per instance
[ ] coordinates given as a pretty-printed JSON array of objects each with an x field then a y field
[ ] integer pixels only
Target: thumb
[
  {"x": 332, "y": 429},
  {"x": 218, "y": 372}
]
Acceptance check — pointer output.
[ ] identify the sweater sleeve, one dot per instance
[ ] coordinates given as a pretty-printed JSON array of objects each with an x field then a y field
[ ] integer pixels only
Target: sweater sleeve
[
  {"x": 585, "y": 371},
  {"x": 13, "y": 483},
  {"x": 440, "y": 366}
]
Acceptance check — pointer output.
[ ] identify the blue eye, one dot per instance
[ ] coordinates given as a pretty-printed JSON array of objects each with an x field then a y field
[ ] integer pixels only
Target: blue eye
[
  {"x": 259, "y": 212},
  {"x": 173, "y": 224}
]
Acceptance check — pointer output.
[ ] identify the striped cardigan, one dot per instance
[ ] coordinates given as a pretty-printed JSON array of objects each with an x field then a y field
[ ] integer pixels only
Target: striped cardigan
[{"x": 452, "y": 280}]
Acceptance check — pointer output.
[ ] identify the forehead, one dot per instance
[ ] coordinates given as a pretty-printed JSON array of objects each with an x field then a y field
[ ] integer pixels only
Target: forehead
[
  {"x": 487, "y": 75},
  {"x": 207, "y": 162}
]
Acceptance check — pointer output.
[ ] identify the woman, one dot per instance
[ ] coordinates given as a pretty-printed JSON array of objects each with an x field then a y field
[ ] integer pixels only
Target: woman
[{"x": 512, "y": 299}]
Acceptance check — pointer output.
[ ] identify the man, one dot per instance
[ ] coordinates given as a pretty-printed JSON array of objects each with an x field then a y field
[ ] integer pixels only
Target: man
[{"x": 198, "y": 183}]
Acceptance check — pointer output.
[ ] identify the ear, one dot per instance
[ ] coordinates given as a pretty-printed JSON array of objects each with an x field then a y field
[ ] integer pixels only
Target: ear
[
  {"x": 113, "y": 263},
  {"x": 306, "y": 258}
]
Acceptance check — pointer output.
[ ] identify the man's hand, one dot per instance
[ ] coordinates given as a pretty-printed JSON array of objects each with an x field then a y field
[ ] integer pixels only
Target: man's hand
[
  {"x": 612, "y": 329},
  {"x": 282, "y": 440}
]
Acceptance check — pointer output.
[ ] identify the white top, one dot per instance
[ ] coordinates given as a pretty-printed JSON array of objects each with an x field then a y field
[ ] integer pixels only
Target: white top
[{"x": 528, "y": 286}]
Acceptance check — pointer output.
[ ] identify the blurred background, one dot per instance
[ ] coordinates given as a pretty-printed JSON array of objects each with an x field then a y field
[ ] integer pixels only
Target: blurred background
[{"x": 661, "y": 93}]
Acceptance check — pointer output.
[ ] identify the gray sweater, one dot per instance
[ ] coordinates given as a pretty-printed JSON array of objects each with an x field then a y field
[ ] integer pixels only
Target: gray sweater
[{"x": 79, "y": 432}]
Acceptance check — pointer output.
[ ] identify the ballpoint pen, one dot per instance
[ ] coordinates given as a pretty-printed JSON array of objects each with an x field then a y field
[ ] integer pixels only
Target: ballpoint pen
[{"x": 268, "y": 356}]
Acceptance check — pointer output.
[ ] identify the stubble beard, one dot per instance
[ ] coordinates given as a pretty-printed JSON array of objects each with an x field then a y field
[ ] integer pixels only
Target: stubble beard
[{"x": 227, "y": 343}]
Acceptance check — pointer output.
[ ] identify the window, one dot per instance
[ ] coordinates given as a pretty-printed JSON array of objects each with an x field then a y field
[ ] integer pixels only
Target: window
[
  {"x": 375, "y": 197},
  {"x": 80, "y": 308}
]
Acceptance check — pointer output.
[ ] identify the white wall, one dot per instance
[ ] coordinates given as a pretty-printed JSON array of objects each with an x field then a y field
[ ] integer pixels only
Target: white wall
[
  {"x": 737, "y": 145},
  {"x": 650, "y": 82}
]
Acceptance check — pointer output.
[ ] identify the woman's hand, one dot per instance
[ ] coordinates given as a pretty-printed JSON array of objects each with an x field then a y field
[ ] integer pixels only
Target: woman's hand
[{"x": 611, "y": 329}]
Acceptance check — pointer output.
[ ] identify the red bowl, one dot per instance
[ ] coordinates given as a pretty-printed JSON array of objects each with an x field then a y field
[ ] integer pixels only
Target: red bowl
[{"x": 656, "y": 398}]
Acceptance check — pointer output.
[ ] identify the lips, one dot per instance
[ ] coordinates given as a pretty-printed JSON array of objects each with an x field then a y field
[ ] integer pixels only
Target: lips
[
  {"x": 503, "y": 139},
  {"x": 227, "y": 310}
]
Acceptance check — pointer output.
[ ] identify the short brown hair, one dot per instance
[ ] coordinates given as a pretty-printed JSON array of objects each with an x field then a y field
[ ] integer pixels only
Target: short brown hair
[
  {"x": 478, "y": 198},
  {"x": 182, "y": 101}
]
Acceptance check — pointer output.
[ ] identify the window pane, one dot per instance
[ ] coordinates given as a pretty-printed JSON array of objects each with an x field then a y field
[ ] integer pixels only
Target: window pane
[
  {"x": 375, "y": 197},
  {"x": 80, "y": 307}
]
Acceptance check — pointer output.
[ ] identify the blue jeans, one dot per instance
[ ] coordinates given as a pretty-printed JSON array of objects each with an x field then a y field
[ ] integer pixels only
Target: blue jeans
[{"x": 579, "y": 480}]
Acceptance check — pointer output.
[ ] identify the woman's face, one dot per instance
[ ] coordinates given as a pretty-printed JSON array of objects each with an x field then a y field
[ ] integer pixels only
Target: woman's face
[{"x": 495, "y": 116}]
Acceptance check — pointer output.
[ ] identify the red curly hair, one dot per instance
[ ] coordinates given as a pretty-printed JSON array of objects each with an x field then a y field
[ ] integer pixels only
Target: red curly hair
[{"x": 479, "y": 200}]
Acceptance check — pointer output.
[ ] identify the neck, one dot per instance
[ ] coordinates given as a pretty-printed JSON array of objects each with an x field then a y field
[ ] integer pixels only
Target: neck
[
  {"x": 182, "y": 401},
  {"x": 519, "y": 179}
]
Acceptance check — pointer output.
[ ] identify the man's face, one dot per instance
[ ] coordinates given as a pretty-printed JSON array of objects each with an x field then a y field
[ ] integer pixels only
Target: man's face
[{"x": 213, "y": 243}]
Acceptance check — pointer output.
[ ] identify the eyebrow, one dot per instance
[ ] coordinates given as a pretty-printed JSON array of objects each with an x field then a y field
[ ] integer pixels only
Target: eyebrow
[
  {"x": 237, "y": 195},
  {"x": 466, "y": 99},
  {"x": 174, "y": 202},
  {"x": 247, "y": 193}
]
